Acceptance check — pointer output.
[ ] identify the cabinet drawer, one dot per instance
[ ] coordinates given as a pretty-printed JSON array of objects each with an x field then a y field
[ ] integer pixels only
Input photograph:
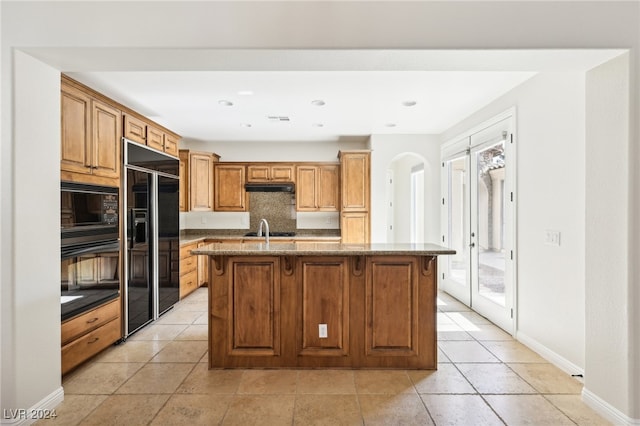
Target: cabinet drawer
[
  {"x": 91, "y": 320},
  {"x": 90, "y": 344},
  {"x": 188, "y": 264},
  {"x": 188, "y": 283},
  {"x": 185, "y": 251}
]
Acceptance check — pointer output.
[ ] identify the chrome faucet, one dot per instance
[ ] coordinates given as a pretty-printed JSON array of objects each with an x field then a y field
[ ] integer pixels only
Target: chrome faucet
[{"x": 266, "y": 225}]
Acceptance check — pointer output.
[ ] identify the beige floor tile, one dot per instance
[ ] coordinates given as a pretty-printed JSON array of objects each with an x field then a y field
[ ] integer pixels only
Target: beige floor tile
[
  {"x": 159, "y": 332},
  {"x": 203, "y": 319},
  {"x": 383, "y": 382},
  {"x": 327, "y": 410},
  {"x": 466, "y": 351},
  {"x": 157, "y": 378},
  {"x": 443, "y": 318},
  {"x": 179, "y": 317},
  {"x": 446, "y": 379},
  {"x": 268, "y": 382},
  {"x": 132, "y": 351},
  {"x": 463, "y": 318},
  {"x": 326, "y": 382},
  {"x": 527, "y": 410},
  {"x": 494, "y": 379},
  {"x": 401, "y": 409},
  {"x": 547, "y": 378},
  {"x": 126, "y": 410},
  {"x": 193, "y": 410},
  {"x": 181, "y": 351},
  {"x": 488, "y": 332},
  {"x": 205, "y": 358},
  {"x": 100, "y": 378},
  {"x": 268, "y": 410},
  {"x": 442, "y": 357},
  {"x": 73, "y": 409},
  {"x": 452, "y": 332},
  {"x": 451, "y": 306},
  {"x": 204, "y": 381},
  {"x": 196, "y": 306},
  {"x": 573, "y": 407},
  {"x": 512, "y": 351},
  {"x": 460, "y": 410},
  {"x": 195, "y": 332}
]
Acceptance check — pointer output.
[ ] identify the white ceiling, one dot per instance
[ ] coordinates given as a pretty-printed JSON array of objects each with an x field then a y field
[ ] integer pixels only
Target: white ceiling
[{"x": 363, "y": 90}]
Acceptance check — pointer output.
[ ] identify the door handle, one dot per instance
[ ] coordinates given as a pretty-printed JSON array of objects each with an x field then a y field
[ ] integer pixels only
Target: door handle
[{"x": 472, "y": 245}]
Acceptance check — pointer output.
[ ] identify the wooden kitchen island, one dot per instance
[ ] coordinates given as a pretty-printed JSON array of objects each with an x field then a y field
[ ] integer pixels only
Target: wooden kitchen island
[{"x": 322, "y": 305}]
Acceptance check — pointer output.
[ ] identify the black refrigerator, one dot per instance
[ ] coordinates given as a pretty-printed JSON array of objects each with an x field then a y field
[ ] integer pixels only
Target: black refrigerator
[{"x": 152, "y": 225}]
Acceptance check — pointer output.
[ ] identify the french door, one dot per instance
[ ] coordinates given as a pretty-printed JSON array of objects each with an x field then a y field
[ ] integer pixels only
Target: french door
[{"x": 479, "y": 221}]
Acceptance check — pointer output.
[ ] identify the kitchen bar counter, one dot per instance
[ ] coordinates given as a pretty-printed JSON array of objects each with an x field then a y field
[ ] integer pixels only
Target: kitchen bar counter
[
  {"x": 194, "y": 238},
  {"x": 322, "y": 305}
]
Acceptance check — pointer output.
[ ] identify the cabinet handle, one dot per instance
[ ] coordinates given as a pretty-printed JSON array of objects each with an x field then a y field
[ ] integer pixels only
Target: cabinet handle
[
  {"x": 95, "y": 339},
  {"x": 92, "y": 320},
  {"x": 88, "y": 166}
]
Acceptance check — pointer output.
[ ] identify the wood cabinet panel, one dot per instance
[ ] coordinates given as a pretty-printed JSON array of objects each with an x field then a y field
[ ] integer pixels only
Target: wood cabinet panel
[
  {"x": 107, "y": 131},
  {"x": 317, "y": 187},
  {"x": 354, "y": 228},
  {"x": 183, "y": 203},
  {"x": 203, "y": 267},
  {"x": 155, "y": 138},
  {"x": 171, "y": 144},
  {"x": 79, "y": 350},
  {"x": 201, "y": 182},
  {"x": 355, "y": 181},
  {"x": 75, "y": 155},
  {"x": 135, "y": 129},
  {"x": 88, "y": 321},
  {"x": 328, "y": 189},
  {"x": 229, "y": 193},
  {"x": 324, "y": 299},
  {"x": 282, "y": 173},
  {"x": 188, "y": 283},
  {"x": 254, "y": 319},
  {"x": 392, "y": 306},
  {"x": 259, "y": 172},
  {"x": 306, "y": 188}
]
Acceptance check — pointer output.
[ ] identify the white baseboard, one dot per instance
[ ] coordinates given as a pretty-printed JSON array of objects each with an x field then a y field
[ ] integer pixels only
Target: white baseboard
[
  {"x": 606, "y": 410},
  {"x": 45, "y": 407},
  {"x": 551, "y": 356}
]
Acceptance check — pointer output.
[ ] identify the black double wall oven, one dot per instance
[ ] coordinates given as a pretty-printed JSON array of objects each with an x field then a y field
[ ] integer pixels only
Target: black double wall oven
[{"x": 90, "y": 247}]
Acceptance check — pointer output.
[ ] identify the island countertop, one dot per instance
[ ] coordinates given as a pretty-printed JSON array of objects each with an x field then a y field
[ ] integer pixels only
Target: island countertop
[{"x": 321, "y": 249}]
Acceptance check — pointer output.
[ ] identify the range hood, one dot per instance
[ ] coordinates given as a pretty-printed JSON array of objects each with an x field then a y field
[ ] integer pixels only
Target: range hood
[{"x": 270, "y": 187}]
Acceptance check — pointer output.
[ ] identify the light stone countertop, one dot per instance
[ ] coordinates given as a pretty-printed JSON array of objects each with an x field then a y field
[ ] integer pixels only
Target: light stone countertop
[
  {"x": 195, "y": 238},
  {"x": 320, "y": 249}
]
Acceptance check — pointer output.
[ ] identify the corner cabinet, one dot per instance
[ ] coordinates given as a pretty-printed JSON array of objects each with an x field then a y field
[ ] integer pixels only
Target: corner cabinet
[
  {"x": 229, "y": 192},
  {"x": 355, "y": 169},
  {"x": 90, "y": 138}
]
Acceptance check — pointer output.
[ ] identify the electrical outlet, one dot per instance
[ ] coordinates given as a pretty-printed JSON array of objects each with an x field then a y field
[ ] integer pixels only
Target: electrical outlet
[
  {"x": 552, "y": 238},
  {"x": 322, "y": 331}
]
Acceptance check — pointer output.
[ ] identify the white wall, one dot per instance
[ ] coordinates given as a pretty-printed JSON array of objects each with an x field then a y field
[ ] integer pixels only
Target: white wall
[
  {"x": 402, "y": 196},
  {"x": 384, "y": 149},
  {"x": 302, "y": 25},
  {"x": 550, "y": 196}
]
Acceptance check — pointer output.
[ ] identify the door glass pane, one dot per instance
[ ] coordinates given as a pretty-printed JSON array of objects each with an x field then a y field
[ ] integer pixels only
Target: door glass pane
[
  {"x": 490, "y": 208},
  {"x": 458, "y": 228}
]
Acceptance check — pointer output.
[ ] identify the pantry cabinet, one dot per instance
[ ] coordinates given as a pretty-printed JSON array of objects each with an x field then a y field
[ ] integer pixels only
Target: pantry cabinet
[{"x": 355, "y": 172}]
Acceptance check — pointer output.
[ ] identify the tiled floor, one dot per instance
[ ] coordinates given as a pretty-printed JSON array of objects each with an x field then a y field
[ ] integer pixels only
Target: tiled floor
[{"x": 160, "y": 377}]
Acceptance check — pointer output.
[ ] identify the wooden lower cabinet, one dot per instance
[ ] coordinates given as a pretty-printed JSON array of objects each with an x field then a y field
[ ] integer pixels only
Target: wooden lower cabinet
[
  {"x": 323, "y": 312},
  {"x": 87, "y": 334},
  {"x": 188, "y": 270}
]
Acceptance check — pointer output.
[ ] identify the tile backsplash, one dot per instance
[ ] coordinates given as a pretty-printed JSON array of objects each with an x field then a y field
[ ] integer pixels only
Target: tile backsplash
[{"x": 279, "y": 208}]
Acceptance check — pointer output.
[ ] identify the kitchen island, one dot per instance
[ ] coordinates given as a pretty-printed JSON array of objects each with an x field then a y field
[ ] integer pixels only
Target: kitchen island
[{"x": 322, "y": 305}]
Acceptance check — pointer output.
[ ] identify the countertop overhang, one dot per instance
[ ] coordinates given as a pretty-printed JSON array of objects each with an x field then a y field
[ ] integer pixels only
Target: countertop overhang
[{"x": 321, "y": 249}]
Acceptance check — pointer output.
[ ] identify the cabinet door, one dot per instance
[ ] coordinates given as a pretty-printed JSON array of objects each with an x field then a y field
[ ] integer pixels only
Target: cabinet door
[
  {"x": 184, "y": 181},
  {"x": 155, "y": 138},
  {"x": 106, "y": 136},
  {"x": 355, "y": 181},
  {"x": 170, "y": 144},
  {"x": 306, "y": 177},
  {"x": 229, "y": 194},
  {"x": 75, "y": 155},
  {"x": 203, "y": 267},
  {"x": 200, "y": 182},
  {"x": 258, "y": 173},
  {"x": 282, "y": 173},
  {"x": 135, "y": 129},
  {"x": 328, "y": 188},
  {"x": 354, "y": 228}
]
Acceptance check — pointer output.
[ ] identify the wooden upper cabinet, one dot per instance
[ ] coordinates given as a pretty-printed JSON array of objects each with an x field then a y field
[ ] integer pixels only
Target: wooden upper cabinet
[
  {"x": 201, "y": 182},
  {"x": 356, "y": 177},
  {"x": 229, "y": 193},
  {"x": 145, "y": 133},
  {"x": 317, "y": 187},
  {"x": 90, "y": 138},
  {"x": 155, "y": 138},
  {"x": 258, "y": 172},
  {"x": 196, "y": 180},
  {"x": 135, "y": 129}
]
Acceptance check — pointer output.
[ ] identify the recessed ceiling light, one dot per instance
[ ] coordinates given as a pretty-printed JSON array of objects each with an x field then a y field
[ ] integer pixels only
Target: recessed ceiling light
[
  {"x": 225, "y": 102},
  {"x": 409, "y": 103},
  {"x": 245, "y": 92},
  {"x": 246, "y": 125},
  {"x": 317, "y": 102},
  {"x": 318, "y": 125},
  {"x": 390, "y": 125}
]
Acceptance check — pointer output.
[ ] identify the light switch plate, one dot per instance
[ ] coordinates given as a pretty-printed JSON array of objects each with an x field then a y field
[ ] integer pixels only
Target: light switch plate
[
  {"x": 322, "y": 331},
  {"x": 552, "y": 238}
]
